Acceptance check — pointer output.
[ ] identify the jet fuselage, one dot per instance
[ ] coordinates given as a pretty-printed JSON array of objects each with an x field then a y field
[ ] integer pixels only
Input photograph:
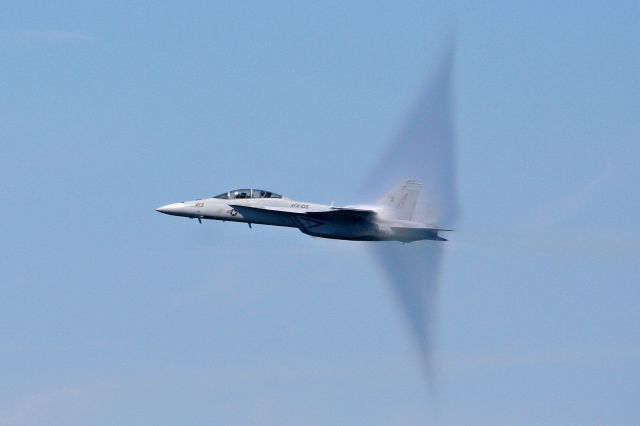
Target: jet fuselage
[{"x": 318, "y": 220}]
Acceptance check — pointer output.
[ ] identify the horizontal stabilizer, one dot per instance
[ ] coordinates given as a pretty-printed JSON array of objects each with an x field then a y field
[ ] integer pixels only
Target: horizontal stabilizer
[{"x": 417, "y": 234}]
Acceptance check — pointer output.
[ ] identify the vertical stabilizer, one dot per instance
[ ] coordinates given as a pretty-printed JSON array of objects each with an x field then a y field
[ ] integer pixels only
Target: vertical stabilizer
[{"x": 400, "y": 202}]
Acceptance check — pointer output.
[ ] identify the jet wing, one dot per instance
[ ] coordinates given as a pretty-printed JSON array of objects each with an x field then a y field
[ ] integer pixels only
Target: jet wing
[{"x": 343, "y": 214}]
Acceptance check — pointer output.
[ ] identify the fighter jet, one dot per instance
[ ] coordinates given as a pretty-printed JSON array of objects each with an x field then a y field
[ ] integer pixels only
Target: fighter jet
[{"x": 389, "y": 219}]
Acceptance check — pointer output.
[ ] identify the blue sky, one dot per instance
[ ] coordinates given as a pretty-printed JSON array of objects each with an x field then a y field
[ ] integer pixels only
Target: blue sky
[{"x": 114, "y": 314}]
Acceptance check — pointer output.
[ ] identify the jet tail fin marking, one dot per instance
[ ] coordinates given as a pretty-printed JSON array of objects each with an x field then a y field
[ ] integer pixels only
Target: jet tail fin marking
[{"x": 400, "y": 202}]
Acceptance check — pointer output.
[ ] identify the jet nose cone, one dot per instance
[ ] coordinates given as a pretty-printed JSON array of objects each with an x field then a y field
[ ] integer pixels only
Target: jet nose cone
[{"x": 175, "y": 208}]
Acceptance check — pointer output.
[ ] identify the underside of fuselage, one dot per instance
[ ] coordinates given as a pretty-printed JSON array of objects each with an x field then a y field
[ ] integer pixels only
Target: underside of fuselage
[
  {"x": 373, "y": 232},
  {"x": 361, "y": 231}
]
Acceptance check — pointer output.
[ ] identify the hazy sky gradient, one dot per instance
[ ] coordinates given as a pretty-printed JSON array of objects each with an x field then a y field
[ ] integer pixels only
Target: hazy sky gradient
[{"x": 111, "y": 313}]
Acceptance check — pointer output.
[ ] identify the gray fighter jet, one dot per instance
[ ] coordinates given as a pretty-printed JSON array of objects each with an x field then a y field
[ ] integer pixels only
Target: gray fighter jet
[{"x": 389, "y": 219}]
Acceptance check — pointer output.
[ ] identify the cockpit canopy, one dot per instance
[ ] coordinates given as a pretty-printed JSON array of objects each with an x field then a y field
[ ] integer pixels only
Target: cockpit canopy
[{"x": 247, "y": 193}]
